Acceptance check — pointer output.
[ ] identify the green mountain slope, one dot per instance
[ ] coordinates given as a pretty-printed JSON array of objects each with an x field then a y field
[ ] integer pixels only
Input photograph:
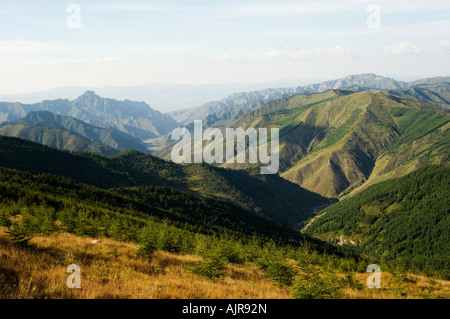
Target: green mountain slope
[
  {"x": 362, "y": 140},
  {"x": 57, "y": 137},
  {"x": 283, "y": 110},
  {"x": 407, "y": 217},
  {"x": 85, "y": 168},
  {"x": 268, "y": 196},
  {"x": 107, "y": 136},
  {"x": 339, "y": 142}
]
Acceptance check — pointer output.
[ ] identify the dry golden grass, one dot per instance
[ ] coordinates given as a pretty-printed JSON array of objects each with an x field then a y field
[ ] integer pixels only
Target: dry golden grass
[
  {"x": 111, "y": 269},
  {"x": 412, "y": 287}
]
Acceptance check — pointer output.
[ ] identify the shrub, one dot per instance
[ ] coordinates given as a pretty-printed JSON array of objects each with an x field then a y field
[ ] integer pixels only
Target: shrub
[
  {"x": 281, "y": 273},
  {"x": 312, "y": 286},
  {"x": 212, "y": 268},
  {"x": 170, "y": 240},
  {"x": 231, "y": 253},
  {"x": 350, "y": 282},
  {"x": 18, "y": 234},
  {"x": 149, "y": 242},
  {"x": 147, "y": 249},
  {"x": 4, "y": 219},
  {"x": 45, "y": 220}
]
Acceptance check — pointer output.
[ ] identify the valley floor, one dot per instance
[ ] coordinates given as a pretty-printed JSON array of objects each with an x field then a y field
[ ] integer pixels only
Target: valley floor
[{"x": 112, "y": 269}]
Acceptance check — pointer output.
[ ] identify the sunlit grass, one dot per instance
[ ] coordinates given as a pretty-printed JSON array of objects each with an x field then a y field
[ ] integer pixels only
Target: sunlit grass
[{"x": 112, "y": 269}]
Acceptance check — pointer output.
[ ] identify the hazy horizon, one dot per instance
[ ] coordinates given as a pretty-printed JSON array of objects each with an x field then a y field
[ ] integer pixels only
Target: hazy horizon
[{"x": 190, "y": 95}]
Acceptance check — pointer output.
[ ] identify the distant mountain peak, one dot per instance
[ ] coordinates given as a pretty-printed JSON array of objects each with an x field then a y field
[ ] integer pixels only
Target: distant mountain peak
[
  {"x": 89, "y": 93},
  {"x": 88, "y": 96},
  {"x": 371, "y": 75}
]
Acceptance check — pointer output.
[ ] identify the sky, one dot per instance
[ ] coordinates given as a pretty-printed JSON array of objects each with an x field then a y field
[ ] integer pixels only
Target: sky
[{"x": 48, "y": 44}]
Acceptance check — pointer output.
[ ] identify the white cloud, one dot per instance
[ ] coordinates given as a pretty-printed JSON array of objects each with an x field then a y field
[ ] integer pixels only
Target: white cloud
[
  {"x": 334, "y": 52},
  {"x": 27, "y": 47},
  {"x": 281, "y": 8},
  {"x": 337, "y": 52},
  {"x": 401, "y": 6},
  {"x": 296, "y": 8},
  {"x": 442, "y": 47},
  {"x": 402, "y": 48},
  {"x": 145, "y": 7},
  {"x": 437, "y": 28},
  {"x": 160, "y": 49}
]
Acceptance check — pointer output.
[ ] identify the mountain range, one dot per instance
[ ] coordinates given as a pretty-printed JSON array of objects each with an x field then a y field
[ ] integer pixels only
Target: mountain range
[
  {"x": 162, "y": 97},
  {"x": 339, "y": 142},
  {"x": 374, "y": 129},
  {"x": 135, "y": 118},
  {"x": 237, "y": 104}
]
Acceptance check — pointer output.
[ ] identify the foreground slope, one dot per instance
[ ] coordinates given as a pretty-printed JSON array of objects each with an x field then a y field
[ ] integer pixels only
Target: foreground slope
[
  {"x": 158, "y": 243},
  {"x": 25, "y": 275}
]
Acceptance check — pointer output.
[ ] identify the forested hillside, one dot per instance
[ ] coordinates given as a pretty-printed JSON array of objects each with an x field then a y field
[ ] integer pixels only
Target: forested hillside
[
  {"x": 268, "y": 196},
  {"x": 405, "y": 219}
]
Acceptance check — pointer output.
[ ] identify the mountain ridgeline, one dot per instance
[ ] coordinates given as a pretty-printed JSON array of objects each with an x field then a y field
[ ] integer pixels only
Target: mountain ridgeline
[{"x": 238, "y": 104}]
